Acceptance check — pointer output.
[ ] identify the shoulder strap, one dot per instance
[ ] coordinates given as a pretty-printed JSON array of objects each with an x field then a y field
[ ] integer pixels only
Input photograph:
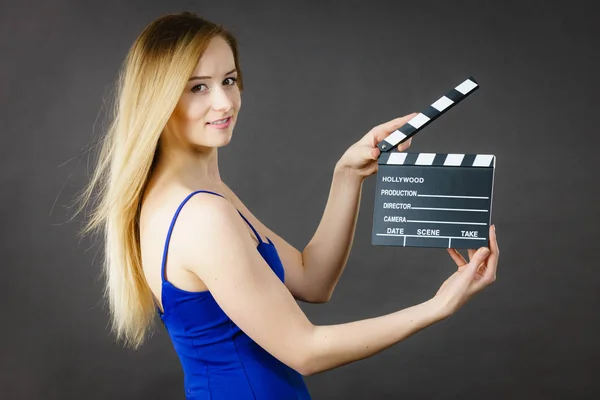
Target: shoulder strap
[
  {"x": 170, "y": 232},
  {"x": 249, "y": 224}
]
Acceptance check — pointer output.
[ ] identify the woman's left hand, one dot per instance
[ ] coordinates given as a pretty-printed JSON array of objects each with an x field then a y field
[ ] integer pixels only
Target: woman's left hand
[{"x": 361, "y": 157}]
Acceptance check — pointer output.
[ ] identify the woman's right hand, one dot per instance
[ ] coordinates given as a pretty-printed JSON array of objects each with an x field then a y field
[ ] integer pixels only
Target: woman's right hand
[{"x": 470, "y": 278}]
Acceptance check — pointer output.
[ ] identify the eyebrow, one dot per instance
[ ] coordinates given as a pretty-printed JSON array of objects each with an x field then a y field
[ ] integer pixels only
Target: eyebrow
[{"x": 208, "y": 77}]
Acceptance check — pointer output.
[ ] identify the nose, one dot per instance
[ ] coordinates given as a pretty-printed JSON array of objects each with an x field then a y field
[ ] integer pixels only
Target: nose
[{"x": 221, "y": 100}]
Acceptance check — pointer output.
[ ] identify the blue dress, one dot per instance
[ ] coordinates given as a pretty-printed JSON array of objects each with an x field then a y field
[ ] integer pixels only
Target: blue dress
[{"x": 219, "y": 360}]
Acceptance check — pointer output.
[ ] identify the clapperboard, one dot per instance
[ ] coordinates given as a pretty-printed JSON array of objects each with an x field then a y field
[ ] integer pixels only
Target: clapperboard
[{"x": 430, "y": 199}]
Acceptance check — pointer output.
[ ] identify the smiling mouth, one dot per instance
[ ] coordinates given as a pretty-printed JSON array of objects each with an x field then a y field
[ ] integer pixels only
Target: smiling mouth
[{"x": 220, "y": 121}]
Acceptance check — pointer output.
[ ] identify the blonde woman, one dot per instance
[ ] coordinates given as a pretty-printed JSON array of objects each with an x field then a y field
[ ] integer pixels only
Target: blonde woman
[{"x": 180, "y": 245}]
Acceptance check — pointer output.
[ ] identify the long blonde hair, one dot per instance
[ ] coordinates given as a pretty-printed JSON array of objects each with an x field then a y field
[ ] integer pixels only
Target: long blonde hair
[{"x": 149, "y": 85}]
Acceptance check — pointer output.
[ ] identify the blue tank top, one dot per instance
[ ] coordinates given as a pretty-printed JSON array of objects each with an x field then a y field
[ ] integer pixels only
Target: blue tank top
[{"x": 219, "y": 360}]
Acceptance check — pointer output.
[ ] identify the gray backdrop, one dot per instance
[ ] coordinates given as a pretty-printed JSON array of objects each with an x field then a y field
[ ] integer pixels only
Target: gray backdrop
[{"x": 318, "y": 76}]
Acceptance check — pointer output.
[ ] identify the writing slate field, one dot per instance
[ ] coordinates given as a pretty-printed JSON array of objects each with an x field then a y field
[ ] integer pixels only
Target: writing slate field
[{"x": 433, "y": 200}]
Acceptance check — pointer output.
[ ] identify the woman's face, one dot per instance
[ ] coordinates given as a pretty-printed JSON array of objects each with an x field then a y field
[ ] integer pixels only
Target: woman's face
[{"x": 207, "y": 110}]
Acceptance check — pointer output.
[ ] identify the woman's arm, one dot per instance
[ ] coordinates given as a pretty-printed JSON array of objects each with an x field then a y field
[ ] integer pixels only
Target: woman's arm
[
  {"x": 325, "y": 255},
  {"x": 212, "y": 241},
  {"x": 313, "y": 273}
]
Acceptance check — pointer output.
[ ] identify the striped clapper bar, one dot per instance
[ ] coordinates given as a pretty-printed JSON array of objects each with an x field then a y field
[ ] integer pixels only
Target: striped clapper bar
[
  {"x": 435, "y": 110},
  {"x": 433, "y": 200}
]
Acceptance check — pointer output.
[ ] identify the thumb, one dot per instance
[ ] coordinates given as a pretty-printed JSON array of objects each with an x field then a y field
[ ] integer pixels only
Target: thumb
[
  {"x": 374, "y": 153},
  {"x": 477, "y": 259}
]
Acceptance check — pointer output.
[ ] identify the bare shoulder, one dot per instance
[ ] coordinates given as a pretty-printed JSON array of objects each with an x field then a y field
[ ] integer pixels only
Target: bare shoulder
[
  {"x": 206, "y": 227},
  {"x": 184, "y": 207},
  {"x": 208, "y": 209},
  {"x": 189, "y": 228}
]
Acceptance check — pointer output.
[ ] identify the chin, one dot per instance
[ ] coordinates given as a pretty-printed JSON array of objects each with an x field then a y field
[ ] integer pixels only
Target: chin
[
  {"x": 224, "y": 139},
  {"x": 209, "y": 140},
  {"x": 224, "y": 142}
]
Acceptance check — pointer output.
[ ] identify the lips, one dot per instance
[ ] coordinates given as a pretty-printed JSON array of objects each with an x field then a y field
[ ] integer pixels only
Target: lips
[{"x": 219, "y": 121}]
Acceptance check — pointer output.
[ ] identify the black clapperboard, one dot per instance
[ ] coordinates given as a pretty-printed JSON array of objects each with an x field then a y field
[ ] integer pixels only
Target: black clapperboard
[{"x": 431, "y": 199}]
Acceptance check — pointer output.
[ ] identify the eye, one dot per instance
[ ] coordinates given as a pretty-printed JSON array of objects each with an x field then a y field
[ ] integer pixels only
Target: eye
[
  {"x": 198, "y": 88},
  {"x": 231, "y": 80}
]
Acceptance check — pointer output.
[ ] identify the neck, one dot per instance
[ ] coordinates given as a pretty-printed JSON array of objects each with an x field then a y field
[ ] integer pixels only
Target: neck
[{"x": 196, "y": 168}]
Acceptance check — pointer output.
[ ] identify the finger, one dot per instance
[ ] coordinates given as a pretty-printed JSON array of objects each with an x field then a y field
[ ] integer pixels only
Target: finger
[
  {"x": 405, "y": 145},
  {"x": 370, "y": 153},
  {"x": 478, "y": 258},
  {"x": 492, "y": 262},
  {"x": 382, "y": 131},
  {"x": 481, "y": 269},
  {"x": 457, "y": 257},
  {"x": 471, "y": 252}
]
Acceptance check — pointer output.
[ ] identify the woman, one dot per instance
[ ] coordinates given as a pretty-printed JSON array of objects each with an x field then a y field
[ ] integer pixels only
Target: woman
[{"x": 226, "y": 292}]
